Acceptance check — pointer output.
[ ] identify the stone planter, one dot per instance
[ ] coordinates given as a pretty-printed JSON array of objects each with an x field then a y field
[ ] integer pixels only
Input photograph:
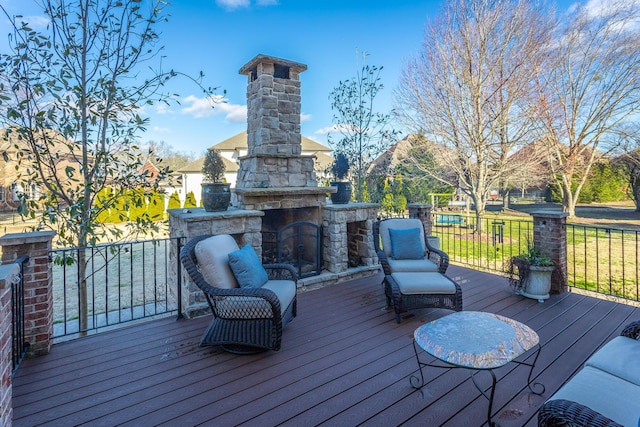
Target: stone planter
[
  {"x": 537, "y": 284},
  {"x": 216, "y": 196}
]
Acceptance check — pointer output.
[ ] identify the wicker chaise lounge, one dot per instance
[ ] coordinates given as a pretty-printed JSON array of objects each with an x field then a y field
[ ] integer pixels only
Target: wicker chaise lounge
[
  {"x": 605, "y": 392},
  {"x": 414, "y": 270},
  {"x": 245, "y": 319}
]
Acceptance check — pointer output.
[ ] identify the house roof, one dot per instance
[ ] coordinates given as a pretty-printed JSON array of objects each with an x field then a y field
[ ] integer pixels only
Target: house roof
[
  {"x": 394, "y": 155},
  {"x": 239, "y": 141},
  {"x": 196, "y": 166}
]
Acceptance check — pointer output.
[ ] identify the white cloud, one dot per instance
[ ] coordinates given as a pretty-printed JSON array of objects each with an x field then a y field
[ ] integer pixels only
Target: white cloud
[
  {"x": 326, "y": 130},
  {"x": 238, "y": 4},
  {"x": 162, "y": 108},
  {"x": 36, "y": 22},
  {"x": 335, "y": 129},
  {"x": 207, "y": 107},
  {"x": 161, "y": 129},
  {"x": 233, "y": 4},
  {"x": 305, "y": 117}
]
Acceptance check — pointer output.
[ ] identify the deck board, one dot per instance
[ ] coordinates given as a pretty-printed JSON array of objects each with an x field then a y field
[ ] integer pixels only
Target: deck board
[{"x": 344, "y": 361}]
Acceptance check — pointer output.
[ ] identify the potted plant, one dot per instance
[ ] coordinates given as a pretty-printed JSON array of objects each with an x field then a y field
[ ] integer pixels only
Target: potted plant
[
  {"x": 530, "y": 274},
  {"x": 216, "y": 193},
  {"x": 339, "y": 169}
]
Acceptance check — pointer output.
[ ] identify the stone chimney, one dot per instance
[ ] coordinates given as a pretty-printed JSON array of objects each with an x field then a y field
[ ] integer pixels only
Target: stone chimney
[{"x": 274, "y": 174}]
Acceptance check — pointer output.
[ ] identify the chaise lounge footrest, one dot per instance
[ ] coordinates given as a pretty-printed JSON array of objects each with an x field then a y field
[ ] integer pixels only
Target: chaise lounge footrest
[{"x": 411, "y": 290}]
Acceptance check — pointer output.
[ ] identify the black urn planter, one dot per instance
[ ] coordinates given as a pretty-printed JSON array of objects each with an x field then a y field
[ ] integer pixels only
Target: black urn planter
[
  {"x": 216, "y": 196},
  {"x": 343, "y": 195}
]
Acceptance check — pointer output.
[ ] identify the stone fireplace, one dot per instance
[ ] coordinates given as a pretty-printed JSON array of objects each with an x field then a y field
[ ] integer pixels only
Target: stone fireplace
[{"x": 280, "y": 209}]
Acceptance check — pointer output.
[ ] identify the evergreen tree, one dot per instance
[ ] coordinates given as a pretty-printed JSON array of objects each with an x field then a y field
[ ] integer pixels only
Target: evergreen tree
[
  {"x": 190, "y": 200},
  {"x": 174, "y": 201},
  {"x": 155, "y": 207}
]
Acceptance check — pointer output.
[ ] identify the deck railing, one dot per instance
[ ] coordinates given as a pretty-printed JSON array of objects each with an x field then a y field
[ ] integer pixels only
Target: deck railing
[
  {"x": 599, "y": 259},
  {"x": 19, "y": 344},
  {"x": 130, "y": 281},
  {"x": 604, "y": 260},
  {"x": 123, "y": 282},
  {"x": 488, "y": 245}
]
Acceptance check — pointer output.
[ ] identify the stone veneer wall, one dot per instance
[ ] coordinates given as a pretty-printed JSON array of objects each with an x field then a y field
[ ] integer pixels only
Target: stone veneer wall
[
  {"x": 336, "y": 240},
  {"x": 274, "y": 142},
  {"x": 245, "y": 226}
]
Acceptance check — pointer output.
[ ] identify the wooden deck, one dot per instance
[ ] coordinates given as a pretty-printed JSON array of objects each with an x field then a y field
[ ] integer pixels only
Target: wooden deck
[{"x": 344, "y": 362}]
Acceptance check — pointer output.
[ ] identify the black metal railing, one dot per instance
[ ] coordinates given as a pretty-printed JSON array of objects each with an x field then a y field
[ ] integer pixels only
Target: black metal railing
[
  {"x": 106, "y": 285},
  {"x": 19, "y": 345},
  {"x": 487, "y": 245},
  {"x": 599, "y": 259},
  {"x": 603, "y": 260}
]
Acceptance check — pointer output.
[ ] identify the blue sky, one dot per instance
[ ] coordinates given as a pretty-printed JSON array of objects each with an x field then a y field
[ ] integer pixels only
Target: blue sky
[{"x": 218, "y": 37}]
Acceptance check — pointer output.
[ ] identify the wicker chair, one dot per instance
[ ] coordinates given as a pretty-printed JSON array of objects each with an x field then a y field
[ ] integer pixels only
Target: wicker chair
[
  {"x": 563, "y": 412},
  {"x": 245, "y": 320},
  {"x": 434, "y": 259},
  {"x": 417, "y": 282}
]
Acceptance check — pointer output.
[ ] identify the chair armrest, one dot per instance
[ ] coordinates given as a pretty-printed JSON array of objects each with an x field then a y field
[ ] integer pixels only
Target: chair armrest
[
  {"x": 560, "y": 412},
  {"x": 436, "y": 255},
  {"x": 384, "y": 262},
  {"x": 632, "y": 330},
  {"x": 281, "y": 272}
]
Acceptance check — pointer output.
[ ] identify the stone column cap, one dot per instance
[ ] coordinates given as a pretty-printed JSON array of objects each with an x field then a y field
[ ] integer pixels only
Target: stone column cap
[
  {"x": 25, "y": 238},
  {"x": 419, "y": 205},
  {"x": 261, "y": 58},
  {"x": 550, "y": 214}
]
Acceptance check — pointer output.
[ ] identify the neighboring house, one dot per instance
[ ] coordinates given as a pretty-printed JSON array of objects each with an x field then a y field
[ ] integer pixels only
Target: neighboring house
[
  {"x": 235, "y": 147},
  {"x": 11, "y": 170},
  {"x": 168, "y": 186}
]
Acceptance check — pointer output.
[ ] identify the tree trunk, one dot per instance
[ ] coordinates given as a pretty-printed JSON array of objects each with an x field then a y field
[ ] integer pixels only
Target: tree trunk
[{"x": 83, "y": 305}]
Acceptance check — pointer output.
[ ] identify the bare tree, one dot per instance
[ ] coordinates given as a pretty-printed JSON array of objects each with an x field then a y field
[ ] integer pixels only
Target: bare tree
[
  {"x": 469, "y": 90},
  {"x": 627, "y": 154},
  {"x": 589, "y": 89}
]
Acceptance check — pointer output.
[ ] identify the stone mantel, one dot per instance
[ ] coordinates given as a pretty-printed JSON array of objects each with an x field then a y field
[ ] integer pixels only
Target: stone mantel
[
  {"x": 199, "y": 214},
  {"x": 291, "y": 191}
]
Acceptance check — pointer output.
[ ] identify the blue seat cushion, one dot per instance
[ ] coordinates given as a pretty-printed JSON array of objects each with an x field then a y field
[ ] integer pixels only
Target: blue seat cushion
[
  {"x": 247, "y": 268},
  {"x": 406, "y": 243}
]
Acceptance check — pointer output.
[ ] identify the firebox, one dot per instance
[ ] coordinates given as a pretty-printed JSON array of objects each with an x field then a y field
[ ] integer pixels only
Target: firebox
[{"x": 292, "y": 236}]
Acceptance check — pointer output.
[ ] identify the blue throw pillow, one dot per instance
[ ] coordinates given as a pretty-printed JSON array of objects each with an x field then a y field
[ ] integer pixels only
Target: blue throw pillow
[
  {"x": 406, "y": 244},
  {"x": 247, "y": 268}
]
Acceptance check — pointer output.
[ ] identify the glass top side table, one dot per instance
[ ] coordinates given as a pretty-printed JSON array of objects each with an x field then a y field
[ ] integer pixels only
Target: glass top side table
[{"x": 477, "y": 341}]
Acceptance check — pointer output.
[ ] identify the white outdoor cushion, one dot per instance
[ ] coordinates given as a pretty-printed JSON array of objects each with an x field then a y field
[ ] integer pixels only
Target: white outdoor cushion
[
  {"x": 285, "y": 290},
  {"x": 607, "y": 394},
  {"x": 619, "y": 357},
  {"x": 412, "y": 283},
  {"x": 398, "y": 224},
  {"x": 251, "y": 307},
  {"x": 212, "y": 254},
  {"x": 412, "y": 265}
]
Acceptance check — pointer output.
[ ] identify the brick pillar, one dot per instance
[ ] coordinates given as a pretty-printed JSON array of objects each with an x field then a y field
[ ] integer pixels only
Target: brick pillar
[
  {"x": 9, "y": 274},
  {"x": 550, "y": 239},
  {"x": 423, "y": 213},
  {"x": 38, "y": 284}
]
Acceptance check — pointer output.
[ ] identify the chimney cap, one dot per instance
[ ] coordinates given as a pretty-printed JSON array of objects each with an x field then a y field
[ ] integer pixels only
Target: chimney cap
[{"x": 259, "y": 59}]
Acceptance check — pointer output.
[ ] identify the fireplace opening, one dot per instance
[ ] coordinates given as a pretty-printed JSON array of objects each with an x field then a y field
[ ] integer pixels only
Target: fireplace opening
[
  {"x": 357, "y": 247},
  {"x": 299, "y": 244},
  {"x": 293, "y": 236}
]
